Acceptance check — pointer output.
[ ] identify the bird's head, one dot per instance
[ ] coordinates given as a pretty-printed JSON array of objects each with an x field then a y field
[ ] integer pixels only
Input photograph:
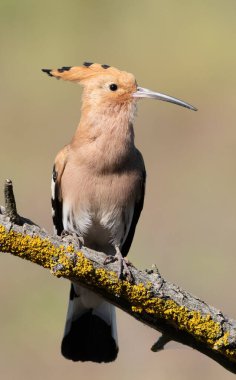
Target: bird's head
[{"x": 107, "y": 86}]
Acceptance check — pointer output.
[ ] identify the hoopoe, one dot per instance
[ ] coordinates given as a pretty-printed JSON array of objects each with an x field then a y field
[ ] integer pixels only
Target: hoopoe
[{"x": 98, "y": 186}]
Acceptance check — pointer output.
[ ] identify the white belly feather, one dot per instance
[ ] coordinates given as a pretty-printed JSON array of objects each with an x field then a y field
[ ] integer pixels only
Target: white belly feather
[{"x": 101, "y": 228}]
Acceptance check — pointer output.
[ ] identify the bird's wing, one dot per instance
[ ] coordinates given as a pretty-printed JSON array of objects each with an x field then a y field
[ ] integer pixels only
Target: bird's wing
[
  {"x": 57, "y": 201},
  {"x": 137, "y": 211}
]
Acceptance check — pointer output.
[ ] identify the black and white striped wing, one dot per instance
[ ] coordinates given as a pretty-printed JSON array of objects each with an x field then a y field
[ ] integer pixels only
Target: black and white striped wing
[
  {"x": 137, "y": 211},
  {"x": 57, "y": 201}
]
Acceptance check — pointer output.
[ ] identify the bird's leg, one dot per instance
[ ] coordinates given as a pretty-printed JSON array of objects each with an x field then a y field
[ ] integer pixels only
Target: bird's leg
[
  {"x": 70, "y": 236},
  {"x": 124, "y": 271}
]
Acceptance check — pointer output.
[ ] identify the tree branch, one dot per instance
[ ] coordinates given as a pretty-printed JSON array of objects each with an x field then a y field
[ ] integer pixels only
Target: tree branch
[{"x": 175, "y": 313}]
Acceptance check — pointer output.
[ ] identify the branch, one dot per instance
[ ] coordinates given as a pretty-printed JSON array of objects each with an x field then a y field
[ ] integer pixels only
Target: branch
[{"x": 175, "y": 313}]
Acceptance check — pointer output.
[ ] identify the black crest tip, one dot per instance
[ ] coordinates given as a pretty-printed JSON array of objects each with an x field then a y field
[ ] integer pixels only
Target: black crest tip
[
  {"x": 64, "y": 68},
  {"x": 87, "y": 64},
  {"x": 47, "y": 71},
  {"x": 105, "y": 66}
]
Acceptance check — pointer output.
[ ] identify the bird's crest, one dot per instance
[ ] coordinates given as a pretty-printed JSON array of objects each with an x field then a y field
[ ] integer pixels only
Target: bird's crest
[{"x": 81, "y": 73}]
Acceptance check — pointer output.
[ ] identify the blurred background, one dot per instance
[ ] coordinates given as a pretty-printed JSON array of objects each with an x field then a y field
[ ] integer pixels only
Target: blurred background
[{"x": 188, "y": 227}]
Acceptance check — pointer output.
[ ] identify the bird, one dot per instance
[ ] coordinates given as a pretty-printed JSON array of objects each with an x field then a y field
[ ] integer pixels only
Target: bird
[{"x": 98, "y": 187}]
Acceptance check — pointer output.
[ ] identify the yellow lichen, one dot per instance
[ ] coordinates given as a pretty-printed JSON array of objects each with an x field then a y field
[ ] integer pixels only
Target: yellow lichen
[
  {"x": 200, "y": 326},
  {"x": 136, "y": 309},
  {"x": 222, "y": 342},
  {"x": 109, "y": 280},
  {"x": 29, "y": 247}
]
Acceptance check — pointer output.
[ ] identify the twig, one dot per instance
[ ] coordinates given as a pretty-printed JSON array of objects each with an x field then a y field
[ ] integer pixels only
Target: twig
[
  {"x": 160, "y": 343},
  {"x": 10, "y": 210},
  {"x": 10, "y": 203}
]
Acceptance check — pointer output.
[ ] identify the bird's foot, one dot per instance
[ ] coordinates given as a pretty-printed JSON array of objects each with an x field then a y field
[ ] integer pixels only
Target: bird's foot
[
  {"x": 72, "y": 237},
  {"x": 124, "y": 271}
]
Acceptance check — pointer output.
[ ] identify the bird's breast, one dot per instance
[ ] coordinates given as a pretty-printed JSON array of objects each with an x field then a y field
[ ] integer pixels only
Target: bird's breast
[{"x": 99, "y": 207}]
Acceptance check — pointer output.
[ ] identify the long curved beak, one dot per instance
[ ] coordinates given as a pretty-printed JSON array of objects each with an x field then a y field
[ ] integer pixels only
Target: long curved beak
[{"x": 145, "y": 93}]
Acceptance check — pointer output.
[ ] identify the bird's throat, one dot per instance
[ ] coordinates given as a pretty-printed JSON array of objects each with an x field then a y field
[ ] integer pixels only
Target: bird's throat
[{"x": 105, "y": 138}]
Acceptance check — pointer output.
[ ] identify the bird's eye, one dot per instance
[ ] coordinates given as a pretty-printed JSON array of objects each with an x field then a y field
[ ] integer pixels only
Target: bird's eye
[{"x": 113, "y": 87}]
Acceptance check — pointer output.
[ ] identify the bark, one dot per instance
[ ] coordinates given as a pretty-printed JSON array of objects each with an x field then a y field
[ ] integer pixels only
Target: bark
[{"x": 165, "y": 307}]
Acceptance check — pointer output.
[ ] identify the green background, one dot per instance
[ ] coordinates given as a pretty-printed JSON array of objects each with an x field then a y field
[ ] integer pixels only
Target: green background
[{"x": 183, "y": 48}]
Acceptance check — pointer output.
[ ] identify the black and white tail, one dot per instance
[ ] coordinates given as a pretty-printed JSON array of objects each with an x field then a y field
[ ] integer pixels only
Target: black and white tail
[{"x": 90, "y": 331}]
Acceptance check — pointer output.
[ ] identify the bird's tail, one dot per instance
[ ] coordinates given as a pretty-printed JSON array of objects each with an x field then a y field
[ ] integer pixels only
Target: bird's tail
[{"x": 90, "y": 331}]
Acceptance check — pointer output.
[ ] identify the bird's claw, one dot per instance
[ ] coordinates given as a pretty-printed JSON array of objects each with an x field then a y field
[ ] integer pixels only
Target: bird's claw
[
  {"x": 124, "y": 271},
  {"x": 110, "y": 259},
  {"x": 71, "y": 237}
]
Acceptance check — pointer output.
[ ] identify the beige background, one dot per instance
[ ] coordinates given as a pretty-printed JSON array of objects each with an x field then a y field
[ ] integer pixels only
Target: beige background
[{"x": 184, "y": 48}]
